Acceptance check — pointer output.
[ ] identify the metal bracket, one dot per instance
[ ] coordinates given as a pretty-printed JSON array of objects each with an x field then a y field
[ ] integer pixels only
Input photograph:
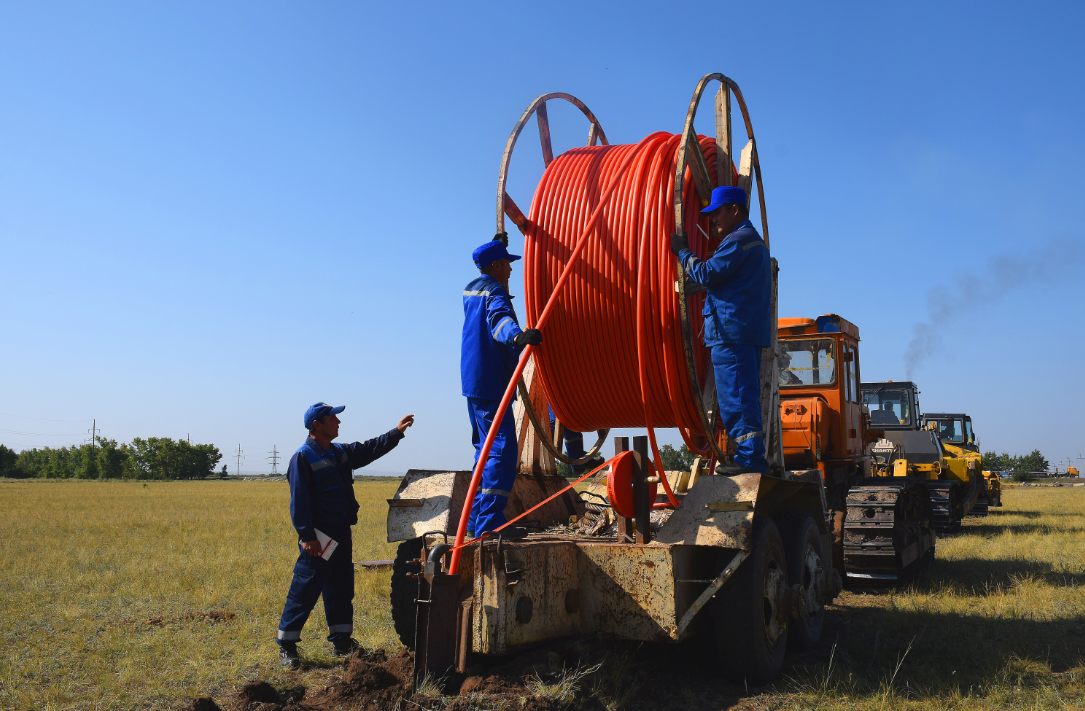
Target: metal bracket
[{"x": 710, "y": 591}]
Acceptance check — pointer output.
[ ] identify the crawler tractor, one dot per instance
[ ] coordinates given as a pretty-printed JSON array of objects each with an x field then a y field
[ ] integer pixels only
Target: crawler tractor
[
  {"x": 881, "y": 527},
  {"x": 954, "y": 431},
  {"x": 907, "y": 448}
]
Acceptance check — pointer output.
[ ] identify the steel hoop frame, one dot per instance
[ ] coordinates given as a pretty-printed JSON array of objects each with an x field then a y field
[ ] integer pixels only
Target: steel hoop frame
[
  {"x": 505, "y": 205},
  {"x": 702, "y": 181}
]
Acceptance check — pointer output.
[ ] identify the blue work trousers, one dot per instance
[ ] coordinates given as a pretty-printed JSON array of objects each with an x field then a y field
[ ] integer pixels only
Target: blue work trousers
[
  {"x": 499, "y": 474},
  {"x": 313, "y": 577},
  {"x": 574, "y": 441},
  {"x": 738, "y": 387}
]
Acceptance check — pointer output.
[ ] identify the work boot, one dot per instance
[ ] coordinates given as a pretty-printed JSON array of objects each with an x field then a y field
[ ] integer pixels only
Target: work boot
[
  {"x": 288, "y": 656},
  {"x": 732, "y": 470},
  {"x": 588, "y": 466},
  {"x": 346, "y": 647}
]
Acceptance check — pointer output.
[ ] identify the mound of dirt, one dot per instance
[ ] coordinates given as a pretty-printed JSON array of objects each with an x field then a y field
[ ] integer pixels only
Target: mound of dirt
[
  {"x": 257, "y": 696},
  {"x": 373, "y": 682}
]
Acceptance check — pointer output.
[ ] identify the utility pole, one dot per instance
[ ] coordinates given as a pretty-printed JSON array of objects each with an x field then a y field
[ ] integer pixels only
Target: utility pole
[
  {"x": 93, "y": 431},
  {"x": 274, "y": 457},
  {"x": 238, "y": 455}
]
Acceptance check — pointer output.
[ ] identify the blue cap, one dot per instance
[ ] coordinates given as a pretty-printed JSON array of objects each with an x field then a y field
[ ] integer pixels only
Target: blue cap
[
  {"x": 490, "y": 252},
  {"x": 318, "y": 410},
  {"x": 726, "y": 195}
]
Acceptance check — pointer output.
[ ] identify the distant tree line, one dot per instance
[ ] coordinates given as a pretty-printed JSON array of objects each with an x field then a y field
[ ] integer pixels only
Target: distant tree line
[
  {"x": 1021, "y": 468},
  {"x": 151, "y": 458}
]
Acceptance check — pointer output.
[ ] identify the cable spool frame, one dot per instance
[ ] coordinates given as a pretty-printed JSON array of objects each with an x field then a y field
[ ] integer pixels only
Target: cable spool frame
[
  {"x": 506, "y": 206},
  {"x": 703, "y": 184}
]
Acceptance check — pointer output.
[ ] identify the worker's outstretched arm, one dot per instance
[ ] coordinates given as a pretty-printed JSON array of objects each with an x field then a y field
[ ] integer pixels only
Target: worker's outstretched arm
[
  {"x": 300, "y": 477},
  {"x": 360, "y": 454}
]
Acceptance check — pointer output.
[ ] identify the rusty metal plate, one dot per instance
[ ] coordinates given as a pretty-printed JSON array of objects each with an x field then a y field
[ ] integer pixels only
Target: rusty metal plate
[
  {"x": 628, "y": 591},
  {"x": 695, "y": 522},
  {"x": 436, "y": 490},
  {"x": 523, "y": 593},
  {"x": 520, "y": 593}
]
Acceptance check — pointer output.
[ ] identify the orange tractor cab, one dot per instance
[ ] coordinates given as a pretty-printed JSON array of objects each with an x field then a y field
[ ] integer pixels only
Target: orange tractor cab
[{"x": 881, "y": 525}]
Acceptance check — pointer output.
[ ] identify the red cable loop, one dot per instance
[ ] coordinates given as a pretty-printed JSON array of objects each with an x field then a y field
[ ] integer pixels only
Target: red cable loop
[{"x": 612, "y": 354}]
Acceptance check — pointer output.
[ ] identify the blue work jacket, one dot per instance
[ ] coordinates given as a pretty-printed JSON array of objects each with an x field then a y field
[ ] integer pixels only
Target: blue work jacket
[
  {"x": 487, "y": 354},
  {"x": 322, "y": 481},
  {"x": 738, "y": 304}
]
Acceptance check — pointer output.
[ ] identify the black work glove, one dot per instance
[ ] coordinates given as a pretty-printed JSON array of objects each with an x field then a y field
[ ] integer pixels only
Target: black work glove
[
  {"x": 530, "y": 337},
  {"x": 502, "y": 237},
  {"x": 678, "y": 243}
]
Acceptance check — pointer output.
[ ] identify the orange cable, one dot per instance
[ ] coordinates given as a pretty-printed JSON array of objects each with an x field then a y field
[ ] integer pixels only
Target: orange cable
[{"x": 613, "y": 354}]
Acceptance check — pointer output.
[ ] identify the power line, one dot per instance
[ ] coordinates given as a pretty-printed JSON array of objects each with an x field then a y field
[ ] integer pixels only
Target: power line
[{"x": 274, "y": 457}]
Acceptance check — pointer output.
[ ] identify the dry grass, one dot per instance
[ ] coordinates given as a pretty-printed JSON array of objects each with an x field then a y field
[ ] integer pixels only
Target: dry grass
[
  {"x": 998, "y": 622},
  {"x": 85, "y": 565}
]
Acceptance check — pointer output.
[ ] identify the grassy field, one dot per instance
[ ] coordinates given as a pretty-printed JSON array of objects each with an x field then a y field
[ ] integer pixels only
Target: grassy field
[{"x": 133, "y": 595}]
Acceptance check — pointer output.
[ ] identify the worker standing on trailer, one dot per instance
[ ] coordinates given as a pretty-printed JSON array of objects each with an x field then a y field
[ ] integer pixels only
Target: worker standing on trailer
[
  {"x": 737, "y": 314},
  {"x": 323, "y": 506},
  {"x": 490, "y": 348}
]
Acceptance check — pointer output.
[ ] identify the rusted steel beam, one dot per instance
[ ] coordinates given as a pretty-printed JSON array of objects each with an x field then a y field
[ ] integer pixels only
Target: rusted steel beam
[
  {"x": 642, "y": 507},
  {"x": 464, "y": 634},
  {"x": 544, "y": 134},
  {"x": 435, "y": 627},
  {"x": 516, "y": 215},
  {"x": 625, "y": 526}
]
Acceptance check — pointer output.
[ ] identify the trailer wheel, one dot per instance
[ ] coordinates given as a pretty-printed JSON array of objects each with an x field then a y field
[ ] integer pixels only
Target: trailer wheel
[
  {"x": 405, "y": 590},
  {"x": 802, "y": 543},
  {"x": 751, "y": 630}
]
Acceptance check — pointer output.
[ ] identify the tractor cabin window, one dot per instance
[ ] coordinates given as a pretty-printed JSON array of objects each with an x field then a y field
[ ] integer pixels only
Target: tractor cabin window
[
  {"x": 949, "y": 430},
  {"x": 808, "y": 362},
  {"x": 888, "y": 406},
  {"x": 853, "y": 372}
]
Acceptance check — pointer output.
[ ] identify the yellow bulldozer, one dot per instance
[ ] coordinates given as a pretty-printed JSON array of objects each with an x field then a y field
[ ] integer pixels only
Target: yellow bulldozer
[
  {"x": 908, "y": 447},
  {"x": 954, "y": 431}
]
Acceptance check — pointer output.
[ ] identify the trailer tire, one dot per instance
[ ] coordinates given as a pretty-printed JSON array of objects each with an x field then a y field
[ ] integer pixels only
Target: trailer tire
[
  {"x": 749, "y": 637},
  {"x": 802, "y": 544},
  {"x": 405, "y": 590}
]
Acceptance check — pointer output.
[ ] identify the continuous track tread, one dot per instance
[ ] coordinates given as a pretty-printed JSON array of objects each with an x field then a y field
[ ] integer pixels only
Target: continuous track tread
[
  {"x": 945, "y": 505},
  {"x": 887, "y": 531}
]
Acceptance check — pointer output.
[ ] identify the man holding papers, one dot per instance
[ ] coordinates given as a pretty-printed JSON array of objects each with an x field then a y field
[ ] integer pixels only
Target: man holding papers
[{"x": 322, "y": 509}]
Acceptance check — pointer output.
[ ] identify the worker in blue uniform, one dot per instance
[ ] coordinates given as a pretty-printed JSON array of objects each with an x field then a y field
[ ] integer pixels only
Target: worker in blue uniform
[
  {"x": 322, "y": 499},
  {"x": 737, "y": 318},
  {"x": 490, "y": 348}
]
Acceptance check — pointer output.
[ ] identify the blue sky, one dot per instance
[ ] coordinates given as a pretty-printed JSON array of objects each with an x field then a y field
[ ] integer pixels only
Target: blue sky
[{"x": 214, "y": 214}]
